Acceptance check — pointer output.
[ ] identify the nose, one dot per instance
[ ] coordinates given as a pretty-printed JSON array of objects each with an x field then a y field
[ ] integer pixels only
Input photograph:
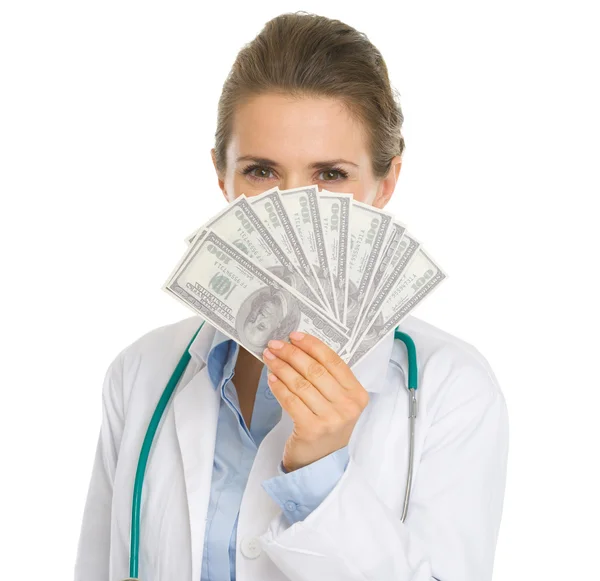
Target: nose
[{"x": 291, "y": 183}]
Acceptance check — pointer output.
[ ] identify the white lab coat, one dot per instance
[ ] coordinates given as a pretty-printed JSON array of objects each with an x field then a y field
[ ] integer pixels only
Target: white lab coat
[{"x": 356, "y": 533}]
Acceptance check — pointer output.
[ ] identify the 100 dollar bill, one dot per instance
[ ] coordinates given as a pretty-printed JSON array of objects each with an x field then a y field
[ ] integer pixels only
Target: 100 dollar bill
[
  {"x": 239, "y": 225},
  {"x": 302, "y": 206},
  {"x": 269, "y": 207},
  {"x": 246, "y": 302},
  {"x": 398, "y": 256},
  {"x": 369, "y": 231},
  {"x": 397, "y": 296},
  {"x": 336, "y": 215}
]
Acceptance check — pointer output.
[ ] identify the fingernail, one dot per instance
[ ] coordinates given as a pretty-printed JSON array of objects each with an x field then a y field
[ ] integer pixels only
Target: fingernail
[
  {"x": 296, "y": 335},
  {"x": 275, "y": 344},
  {"x": 271, "y": 378},
  {"x": 268, "y": 354}
]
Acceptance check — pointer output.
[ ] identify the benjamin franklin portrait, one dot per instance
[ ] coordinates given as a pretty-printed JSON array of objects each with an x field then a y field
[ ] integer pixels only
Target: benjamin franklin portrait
[{"x": 267, "y": 314}]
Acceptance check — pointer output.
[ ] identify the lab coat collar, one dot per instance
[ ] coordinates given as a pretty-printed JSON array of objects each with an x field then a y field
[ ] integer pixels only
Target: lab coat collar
[
  {"x": 209, "y": 350},
  {"x": 203, "y": 342},
  {"x": 371, "y": 371}
]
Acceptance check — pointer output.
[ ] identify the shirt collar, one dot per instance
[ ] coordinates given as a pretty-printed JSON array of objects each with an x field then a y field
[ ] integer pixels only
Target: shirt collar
[{"x": 214, "y": 349}]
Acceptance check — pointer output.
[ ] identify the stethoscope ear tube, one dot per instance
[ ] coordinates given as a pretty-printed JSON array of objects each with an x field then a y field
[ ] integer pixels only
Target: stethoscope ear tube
[
  {"x": 412, "y": 357},
  {"x": 412, "y": 384}
]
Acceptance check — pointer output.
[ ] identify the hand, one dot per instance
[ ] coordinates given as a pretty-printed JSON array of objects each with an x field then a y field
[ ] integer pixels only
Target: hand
[{"x": 319, "y": 392}]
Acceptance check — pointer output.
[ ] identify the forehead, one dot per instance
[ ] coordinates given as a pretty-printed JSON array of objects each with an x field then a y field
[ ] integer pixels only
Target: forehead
[{"x": 290, "y": 129}]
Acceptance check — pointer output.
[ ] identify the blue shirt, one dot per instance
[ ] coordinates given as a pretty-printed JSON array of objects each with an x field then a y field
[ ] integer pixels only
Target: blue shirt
[{"x": 298, "y": 493}]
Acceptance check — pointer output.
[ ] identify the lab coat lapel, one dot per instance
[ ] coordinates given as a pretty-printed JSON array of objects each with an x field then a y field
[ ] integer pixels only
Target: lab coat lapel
[{"x": 196, "y": 410}]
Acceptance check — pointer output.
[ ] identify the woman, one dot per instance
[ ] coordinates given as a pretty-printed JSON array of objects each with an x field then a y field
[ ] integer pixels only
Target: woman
[{"x": 294, "y": 467}]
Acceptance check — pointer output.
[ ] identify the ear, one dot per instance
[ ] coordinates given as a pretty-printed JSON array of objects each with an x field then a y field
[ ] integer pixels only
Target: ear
[
  {"x": 219, "y": 177},
  {"x": 388, "y": 184}
]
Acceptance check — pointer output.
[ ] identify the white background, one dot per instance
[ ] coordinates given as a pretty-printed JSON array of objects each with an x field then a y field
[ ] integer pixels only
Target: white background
[{"x": 107, "y": 117}]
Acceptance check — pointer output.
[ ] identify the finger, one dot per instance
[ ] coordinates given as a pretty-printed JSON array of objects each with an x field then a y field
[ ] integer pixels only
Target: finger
[
  {"x": 309, "y": 368},
  {"x": 290, "y": 402},
  {"x": 297, "y": 384},
  {"x": 334, "y": 364}
]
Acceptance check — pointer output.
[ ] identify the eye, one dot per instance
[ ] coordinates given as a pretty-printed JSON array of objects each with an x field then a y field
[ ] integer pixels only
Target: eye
[
  {"x": 334, "y": 170},
  {"x": 329, "y": 174},
  {"x": 248, "y": 171}
]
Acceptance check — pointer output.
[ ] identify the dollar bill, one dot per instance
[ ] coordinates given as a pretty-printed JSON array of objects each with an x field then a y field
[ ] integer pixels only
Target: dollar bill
[
  {"x": 269, "y": 208},
  {"x": 396, "y": 234},
  {"x": 369, "y": 231},
  {"x": 302, "y": 206},
  {"x": 335, "y": 214},
  {"x": 401, "y": 248},
  {"x": 192, "y": 240},
  {"x": 397, "y": 296},
  {"x": 189, "y": 239},
  {"x": 239, "y": 225},
  {"x": 246, "y": 302}
]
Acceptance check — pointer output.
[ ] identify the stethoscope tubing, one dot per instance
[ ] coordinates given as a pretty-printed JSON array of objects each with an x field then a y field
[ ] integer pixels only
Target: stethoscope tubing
[
  {"x": 412, "y": 384},
  {"x": 136, "y": 502},
  {"x": 145, "y": 453}
]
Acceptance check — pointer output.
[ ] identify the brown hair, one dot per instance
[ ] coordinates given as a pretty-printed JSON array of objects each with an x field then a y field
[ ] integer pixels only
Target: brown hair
[{"x": 304, "y": 54}]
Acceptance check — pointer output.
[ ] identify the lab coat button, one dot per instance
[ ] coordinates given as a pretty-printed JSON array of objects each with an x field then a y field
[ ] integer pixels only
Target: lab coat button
[
  {"x": 289, "y": 505},
  {"x": 251, "y": 547}
]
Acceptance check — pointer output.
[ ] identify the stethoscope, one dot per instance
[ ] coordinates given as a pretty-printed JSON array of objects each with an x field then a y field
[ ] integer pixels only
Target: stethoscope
[{"x": 164, "y": 400}]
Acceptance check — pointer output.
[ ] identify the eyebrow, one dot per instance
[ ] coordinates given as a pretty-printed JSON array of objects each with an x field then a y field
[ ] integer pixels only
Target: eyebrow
[{"x": 315, "y": 165}]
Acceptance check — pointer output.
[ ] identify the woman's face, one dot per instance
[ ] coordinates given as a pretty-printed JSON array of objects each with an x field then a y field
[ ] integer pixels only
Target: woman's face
[{"x": 285, "y": 142}]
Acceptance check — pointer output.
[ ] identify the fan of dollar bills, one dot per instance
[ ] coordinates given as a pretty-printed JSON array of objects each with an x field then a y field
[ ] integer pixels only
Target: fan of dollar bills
[{"x": 304, "y": 260}]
